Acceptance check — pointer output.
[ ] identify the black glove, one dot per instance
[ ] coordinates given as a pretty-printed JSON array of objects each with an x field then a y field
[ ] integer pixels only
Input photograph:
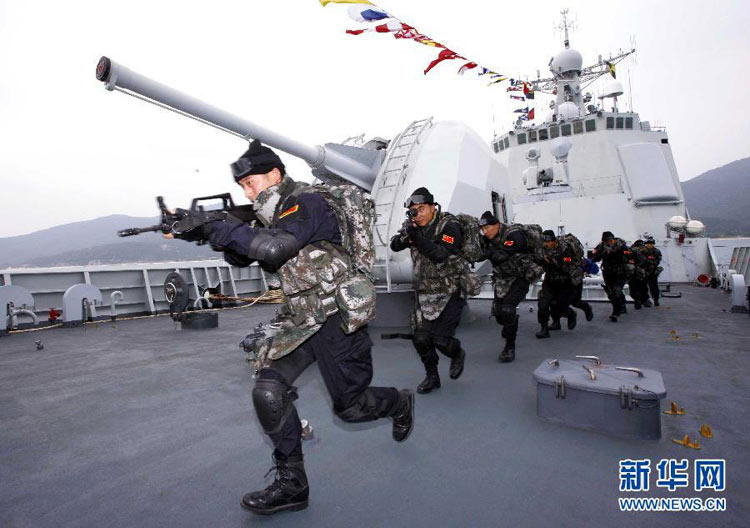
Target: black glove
[
  {"x": 589, "y": 254},
  {"x": 498, "y": 256},
  {"x": 195, "y": 226}
]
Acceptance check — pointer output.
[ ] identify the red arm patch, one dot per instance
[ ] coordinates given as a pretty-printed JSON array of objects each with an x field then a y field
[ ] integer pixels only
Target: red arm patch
[
  {"x": 448, "y": 239},
  {"x": 508, "y": 243},
  {"x": 567, "y": 259},
  {"x": 289, "y": 211}
]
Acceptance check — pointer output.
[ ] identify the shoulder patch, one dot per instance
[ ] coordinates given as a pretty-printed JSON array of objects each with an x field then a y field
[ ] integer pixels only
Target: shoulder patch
[
  {"x": 448, "y": 239},
  {"x": 289, "y": 211},
  {"x": 567, "y": 259},
  {"x": 627, "y": 252},
  {"x": 508, "y": 243}
]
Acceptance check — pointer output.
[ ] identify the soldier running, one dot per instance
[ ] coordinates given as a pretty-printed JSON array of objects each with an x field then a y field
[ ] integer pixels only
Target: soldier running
[
  {"x": 443, "y": 282},
  {"x": 618, "y": 264},
  {"x": 317, "y": 241},
  {"x": 562, "y": 277},
  {"x": 514, "y": 269},
  {"x": 652, "y": 259}
]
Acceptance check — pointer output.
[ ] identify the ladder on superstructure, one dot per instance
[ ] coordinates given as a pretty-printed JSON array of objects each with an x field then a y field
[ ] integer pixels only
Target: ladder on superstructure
[{"x": 393, "y": 176}]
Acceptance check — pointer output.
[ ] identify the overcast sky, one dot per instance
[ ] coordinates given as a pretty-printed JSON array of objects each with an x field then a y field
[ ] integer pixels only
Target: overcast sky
[{"x": 70, "y": 150}]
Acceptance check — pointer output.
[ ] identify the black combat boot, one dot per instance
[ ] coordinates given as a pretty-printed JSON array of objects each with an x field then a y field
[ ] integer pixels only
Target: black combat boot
[
  {"x": 555, "y": 325},
  {"x": 509, "y": 352},
  {"x": 572, "y": 318},
  {"x": 288, "y": 491},
  {"x": 431, "y": 381},
  {"x": 656, "y": 302},
  {"x": 615, "y": 313},
  {"x": 543, "y": 331},
  {"x": 588, "y": 311},
  {"x": 646, "y": 304},
  {"x": 637, "y": 304},
  {"x": 457, "y": 364},
  {"x": 403, "y": 420}
]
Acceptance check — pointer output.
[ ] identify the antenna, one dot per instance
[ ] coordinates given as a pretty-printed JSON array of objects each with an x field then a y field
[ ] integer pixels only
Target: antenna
[{"x": 565, "y": 26}]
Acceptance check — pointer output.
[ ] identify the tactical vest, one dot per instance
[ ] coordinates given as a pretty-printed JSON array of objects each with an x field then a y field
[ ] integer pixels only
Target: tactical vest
[
  {"x": 651, "y": 260},
  {"x": 437, "y": 282},
  {"x": 616, "y": 259},
  {"x": 565, "y": 271},
  {"x": 321, "y": 279},
  {"x": 519, "y": 265}
]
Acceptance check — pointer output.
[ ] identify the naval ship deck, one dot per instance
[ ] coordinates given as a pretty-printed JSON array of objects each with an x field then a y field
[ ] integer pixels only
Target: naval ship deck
[{"x": 140, "y": 424}]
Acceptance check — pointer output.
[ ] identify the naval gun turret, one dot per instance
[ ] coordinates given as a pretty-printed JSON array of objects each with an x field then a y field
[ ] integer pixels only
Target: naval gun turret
[{"x": 448, "y": 157}]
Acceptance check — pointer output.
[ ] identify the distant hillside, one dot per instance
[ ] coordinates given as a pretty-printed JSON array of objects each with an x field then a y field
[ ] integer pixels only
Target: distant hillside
[
  {"x": 95, "y": 242},
  {"x": 720, "y": 198}
]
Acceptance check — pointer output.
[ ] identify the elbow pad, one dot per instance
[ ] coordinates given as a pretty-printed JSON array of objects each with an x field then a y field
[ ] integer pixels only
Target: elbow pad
[{"x": 273, "y": 246}]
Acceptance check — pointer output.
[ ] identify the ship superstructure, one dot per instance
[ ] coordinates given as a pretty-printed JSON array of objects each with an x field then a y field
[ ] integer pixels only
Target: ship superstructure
[{"x": 585, "y": 168}]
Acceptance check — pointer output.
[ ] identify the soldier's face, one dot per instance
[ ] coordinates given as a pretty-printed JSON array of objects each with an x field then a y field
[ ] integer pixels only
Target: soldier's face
[
  {"x": 425, "y": 213},
  {"x": 254, "y": 184},
  {"x": 490, "y": 231},
  {"x": 610, "y": 242},
  {"x": 650, "y": 246},
  {"x": 550, "y": 244}
]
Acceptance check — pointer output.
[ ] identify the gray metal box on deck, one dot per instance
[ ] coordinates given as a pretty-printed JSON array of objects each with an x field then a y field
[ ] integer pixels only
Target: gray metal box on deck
[{"x": 588, "y": 394}]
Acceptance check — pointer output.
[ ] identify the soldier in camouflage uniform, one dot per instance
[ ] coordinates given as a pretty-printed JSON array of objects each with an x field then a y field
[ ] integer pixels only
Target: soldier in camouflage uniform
[
  {"x": 328, "y": 302},
  {"x": 562, "y": 276},
  {"x": 618, "y": 264},
  {"x": 514, "y": 270},
  {"x": 435, "y": 239},
  {"x": 652, "y": 258},
  {"x": 637, "y": 281}
]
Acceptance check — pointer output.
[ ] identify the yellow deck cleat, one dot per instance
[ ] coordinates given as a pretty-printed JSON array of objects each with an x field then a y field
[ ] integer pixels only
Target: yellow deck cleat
[
  {"x": 706, "y": 432},
  {"x": 675, "y": 409},
  {"x": 686, "y": 442}
]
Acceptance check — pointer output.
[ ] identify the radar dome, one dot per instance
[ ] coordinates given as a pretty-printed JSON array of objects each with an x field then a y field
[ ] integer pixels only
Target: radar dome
[
  {"x": 559, "y": 147},
  {"x": 613, "y": 89},
  {"x": 695, "y": 227},
  {"x": 568, "y": 60},
  {"x": 677, "y": 222},
  {"x": 568, "y": 111}
]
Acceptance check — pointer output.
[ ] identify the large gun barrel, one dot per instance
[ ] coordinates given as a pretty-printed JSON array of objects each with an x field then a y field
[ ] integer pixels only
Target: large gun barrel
[{"x": 117, "y": 77}]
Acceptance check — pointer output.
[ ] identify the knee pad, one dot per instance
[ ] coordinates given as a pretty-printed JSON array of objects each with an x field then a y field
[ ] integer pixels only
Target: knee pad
[
  {"x": 507, "y": 314},
  {"x": 422, "y": 340},
  {"x": 449, "y": 346},
  {"x": 273, "y": 403},
  {"x": 364, "y": 408}
]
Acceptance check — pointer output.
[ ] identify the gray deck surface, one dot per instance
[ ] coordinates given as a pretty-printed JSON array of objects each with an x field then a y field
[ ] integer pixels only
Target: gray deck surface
[{"x": 144, "y": 425}]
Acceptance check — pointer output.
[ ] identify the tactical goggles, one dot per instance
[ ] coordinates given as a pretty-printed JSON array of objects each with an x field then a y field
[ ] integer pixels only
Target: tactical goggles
[
  {"x": 488, "y": 221},
  {"x": 417, "y": 199},
  {"x": 259, "y": 165}
]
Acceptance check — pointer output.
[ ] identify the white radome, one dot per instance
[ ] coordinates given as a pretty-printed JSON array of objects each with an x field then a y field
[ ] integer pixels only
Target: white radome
[
  {"x": 677, "y": 222},
  {"x": 568, "y": 111},
  {"x": 568, "y": 60},
  {"x": 559, "y": 147},
  {"x": 695, "y": 227},
  {"x": 613, "y": 89}
]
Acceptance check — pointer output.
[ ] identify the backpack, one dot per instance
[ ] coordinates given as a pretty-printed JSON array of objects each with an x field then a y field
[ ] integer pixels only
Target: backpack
[
  {"x": 571, "y": 241},
  {"x": 355, "y": 212},
  {"x": 533, "y": 234},
  {"x": 471, "y": 249}
]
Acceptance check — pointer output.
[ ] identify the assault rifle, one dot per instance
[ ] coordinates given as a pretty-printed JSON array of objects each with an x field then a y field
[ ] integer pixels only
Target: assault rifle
[{"x": 179, "y": 220}]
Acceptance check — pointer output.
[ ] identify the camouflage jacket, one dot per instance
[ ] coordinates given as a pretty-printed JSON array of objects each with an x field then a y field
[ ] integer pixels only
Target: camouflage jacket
[
  {"x": 617, "y": 259},
  {"x": 562, "y": 263},
  {"x": 317, "y": 283},
  {"x": 651, "y": 261},
  {"x": 511, "y": 259},
  {"x": 439, "y": 268}
]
